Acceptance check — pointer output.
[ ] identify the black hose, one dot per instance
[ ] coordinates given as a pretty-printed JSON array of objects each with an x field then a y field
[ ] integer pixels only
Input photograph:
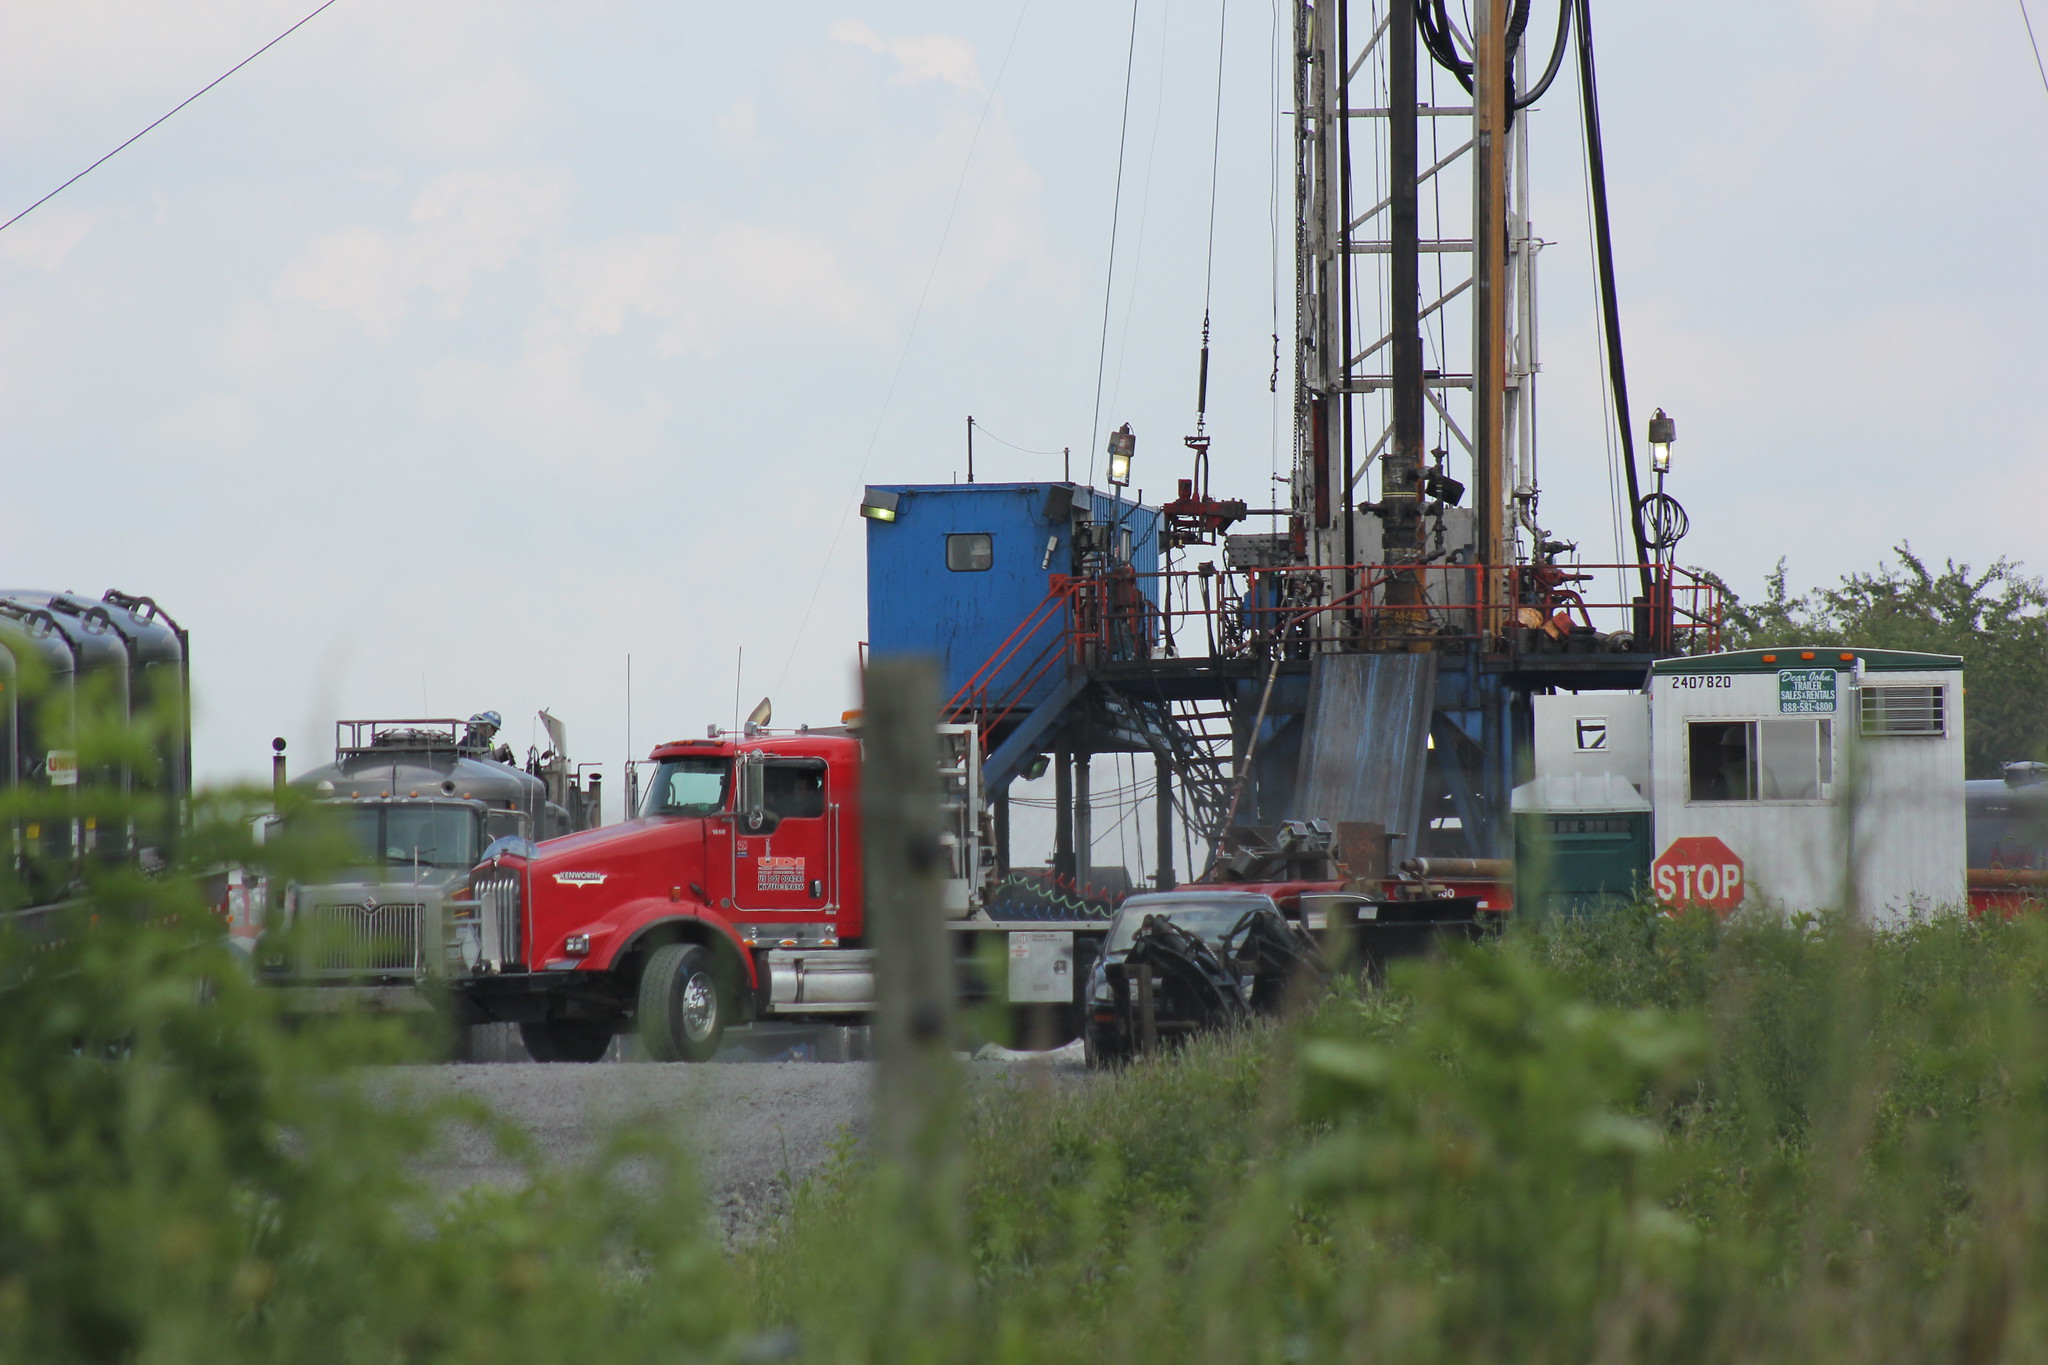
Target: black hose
[
  {"x": 1610, "y": 309},
  {"x": 1433, "y": 20},
  {"x": 1436, "y": 37},
  {"x": 1564, "y": 29}
]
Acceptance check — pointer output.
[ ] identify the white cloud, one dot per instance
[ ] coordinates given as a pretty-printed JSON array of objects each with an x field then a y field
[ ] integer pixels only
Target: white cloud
[
  {"x": 470, "y": 112},
  {"x": 42, "y": 240},
  {"x": 210, "y": 426},
  {"x": 119, "y": 52},
  {"x": 539, "y": 409},
  {"x": 926, "y": 57},
  {"x": 739, "y": 130},
  {"x": 710, "y": 286},
  {"x": 466, "y": 223},
  {"x": 707, "y": 290}
]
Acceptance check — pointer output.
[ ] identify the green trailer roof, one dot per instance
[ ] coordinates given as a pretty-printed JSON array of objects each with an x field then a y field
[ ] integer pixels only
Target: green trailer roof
[{"x": 1808, "y": 656}]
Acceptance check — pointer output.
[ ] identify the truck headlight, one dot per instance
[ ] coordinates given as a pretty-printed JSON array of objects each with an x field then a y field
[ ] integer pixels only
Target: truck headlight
[{"x": 576, "y": 945}]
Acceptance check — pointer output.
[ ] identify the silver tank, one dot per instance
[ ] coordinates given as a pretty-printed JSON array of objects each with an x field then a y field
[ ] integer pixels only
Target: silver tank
[{"x": 67, "y": 660}]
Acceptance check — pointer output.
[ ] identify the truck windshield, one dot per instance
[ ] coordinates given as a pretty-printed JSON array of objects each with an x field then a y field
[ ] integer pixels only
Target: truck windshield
[
  {"x": 405, "y": 832},
  {"x": 687, "y": 786}
]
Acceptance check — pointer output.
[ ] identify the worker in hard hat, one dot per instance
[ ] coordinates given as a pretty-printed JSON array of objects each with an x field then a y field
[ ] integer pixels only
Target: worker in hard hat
[{"x": 483, "y": 728}]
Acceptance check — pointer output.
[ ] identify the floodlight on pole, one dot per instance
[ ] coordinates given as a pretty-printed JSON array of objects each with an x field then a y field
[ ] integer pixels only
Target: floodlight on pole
[
  {"x": 1663, "y": 433},
  {"x": 1122, "y": 446}
]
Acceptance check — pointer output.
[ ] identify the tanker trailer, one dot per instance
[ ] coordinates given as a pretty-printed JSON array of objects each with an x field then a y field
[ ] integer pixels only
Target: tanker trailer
[
  {"x": 159, "y": 698},
  {"x": 68, "y": 661},
  {"x": 45, "y": 767}
]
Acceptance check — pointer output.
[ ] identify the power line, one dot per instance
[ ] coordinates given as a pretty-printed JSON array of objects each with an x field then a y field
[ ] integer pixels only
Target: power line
[
  {"x": 2033, "y": 44},
  {"x": 1109, "y": 274},
  {"x": 180, "y": 105},
  {"x": 981, "y": 429},
  {"x": 1137, "y": 267}
]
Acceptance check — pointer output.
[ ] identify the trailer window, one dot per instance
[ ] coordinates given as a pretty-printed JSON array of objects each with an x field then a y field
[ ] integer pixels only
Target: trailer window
[
  {"x": 1796, "y": 759},
  {"x": 688, "y": 786},
  {"x": 970, "y": 551},
  {"x": 1908, "y": 710},
  {"x": 1760, "y": 760},
  {"x": 794, "y": 788},
  {"x": 1721, "y": 760}
]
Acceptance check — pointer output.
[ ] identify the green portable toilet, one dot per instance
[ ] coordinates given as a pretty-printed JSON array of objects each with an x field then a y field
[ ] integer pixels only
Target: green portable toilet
[{"x": 1582, "y": 844}]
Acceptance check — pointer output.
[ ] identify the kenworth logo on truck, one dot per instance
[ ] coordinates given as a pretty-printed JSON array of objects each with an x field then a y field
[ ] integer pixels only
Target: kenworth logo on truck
[{"x": 581, "y": 878}]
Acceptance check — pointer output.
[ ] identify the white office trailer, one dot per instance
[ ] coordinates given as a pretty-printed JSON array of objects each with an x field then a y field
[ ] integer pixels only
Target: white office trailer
[{"x": 1800, "y": 779}]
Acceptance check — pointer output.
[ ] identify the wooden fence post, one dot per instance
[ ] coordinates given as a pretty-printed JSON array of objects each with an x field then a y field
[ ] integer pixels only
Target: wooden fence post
[{"x": 915, "y": 1073}]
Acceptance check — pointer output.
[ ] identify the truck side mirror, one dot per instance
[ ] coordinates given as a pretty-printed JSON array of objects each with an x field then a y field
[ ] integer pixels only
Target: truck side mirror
[{"x": 753, "y": 794}]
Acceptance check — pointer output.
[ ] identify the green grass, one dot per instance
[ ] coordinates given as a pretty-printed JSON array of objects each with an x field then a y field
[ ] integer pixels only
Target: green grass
[
  {"x": 1638, "y": 1139},
  {"x": 1635, "y": 1139}
]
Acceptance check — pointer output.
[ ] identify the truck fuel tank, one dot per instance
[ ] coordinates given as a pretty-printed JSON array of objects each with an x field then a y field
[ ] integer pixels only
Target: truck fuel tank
[{"x": 822, "y": 981}]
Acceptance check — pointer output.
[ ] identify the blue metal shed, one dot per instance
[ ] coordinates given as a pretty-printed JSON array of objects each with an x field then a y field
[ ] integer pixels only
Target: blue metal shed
[{"x": 963, "y": 565}]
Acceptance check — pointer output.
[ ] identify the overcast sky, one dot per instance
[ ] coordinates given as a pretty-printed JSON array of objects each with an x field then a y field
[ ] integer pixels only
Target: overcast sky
[{"x": 451, "y": 352}]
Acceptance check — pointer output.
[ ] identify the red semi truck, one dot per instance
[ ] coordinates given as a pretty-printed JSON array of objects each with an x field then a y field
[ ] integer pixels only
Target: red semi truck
[{"x": 732, "y": 893}]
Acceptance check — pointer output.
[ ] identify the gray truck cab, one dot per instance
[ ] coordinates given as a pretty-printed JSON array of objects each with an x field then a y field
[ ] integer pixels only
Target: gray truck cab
[{"x": 416, "y": 803}]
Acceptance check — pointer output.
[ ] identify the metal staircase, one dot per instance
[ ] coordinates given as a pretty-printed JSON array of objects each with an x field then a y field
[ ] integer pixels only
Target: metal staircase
[
  {"x": 1197, "y": 746},
  {"x": 1045, "y": 679}
]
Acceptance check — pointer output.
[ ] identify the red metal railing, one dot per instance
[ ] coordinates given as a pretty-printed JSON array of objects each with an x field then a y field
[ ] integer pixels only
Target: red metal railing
[
  {"x": 1305, "y": 609},
  {"x": 1015, "y": 669},
  {"x": 1535, "y": 609}
]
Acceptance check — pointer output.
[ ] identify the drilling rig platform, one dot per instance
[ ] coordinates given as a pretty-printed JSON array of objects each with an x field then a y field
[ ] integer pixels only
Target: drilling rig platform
[{"x": 1369, "y": 661}]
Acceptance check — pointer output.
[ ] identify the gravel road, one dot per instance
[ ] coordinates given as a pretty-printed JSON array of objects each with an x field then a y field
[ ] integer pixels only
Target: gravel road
[{"x": 756, "y": 1126}]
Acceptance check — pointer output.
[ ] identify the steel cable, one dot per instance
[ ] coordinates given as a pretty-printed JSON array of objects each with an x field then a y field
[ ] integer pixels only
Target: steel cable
[
  {"x": 1109, "y": 272},
  {"x": 180, "y": 105}
]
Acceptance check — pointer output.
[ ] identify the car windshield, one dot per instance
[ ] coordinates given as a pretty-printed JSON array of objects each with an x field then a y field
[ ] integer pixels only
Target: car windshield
[
  {"x": 403, "y": 833},
  {"x": 687, "y": 786},
  {"x": 1209, "y": 920}
]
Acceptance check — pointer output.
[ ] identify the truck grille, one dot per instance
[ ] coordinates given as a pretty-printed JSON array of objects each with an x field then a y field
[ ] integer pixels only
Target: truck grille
[
  {"x": 497, "y": 894},
  {"x": 362, "y": 938}
]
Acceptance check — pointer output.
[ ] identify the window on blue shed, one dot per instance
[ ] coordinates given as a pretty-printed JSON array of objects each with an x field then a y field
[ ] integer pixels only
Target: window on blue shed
[{"x": 970, "y": 551}]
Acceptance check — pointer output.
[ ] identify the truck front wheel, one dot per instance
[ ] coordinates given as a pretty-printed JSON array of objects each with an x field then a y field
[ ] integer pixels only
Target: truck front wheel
[{"x": 682, "y": 1008}]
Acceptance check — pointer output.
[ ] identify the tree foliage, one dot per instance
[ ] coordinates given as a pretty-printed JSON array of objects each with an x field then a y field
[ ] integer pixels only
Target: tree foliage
[{"x": 1994, "y": 619}]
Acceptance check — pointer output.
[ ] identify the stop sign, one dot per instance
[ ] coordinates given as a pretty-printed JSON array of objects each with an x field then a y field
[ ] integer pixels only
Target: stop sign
[{"x": 1698, "y": 870}]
